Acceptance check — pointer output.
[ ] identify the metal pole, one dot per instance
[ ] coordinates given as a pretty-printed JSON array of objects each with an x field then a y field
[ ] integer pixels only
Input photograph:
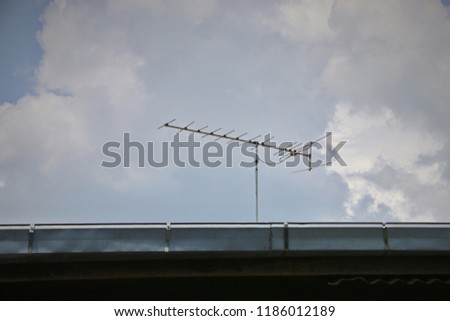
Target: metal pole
[
  {"x": 256, "y": 183},
  {"x": 310, "y": 157}
]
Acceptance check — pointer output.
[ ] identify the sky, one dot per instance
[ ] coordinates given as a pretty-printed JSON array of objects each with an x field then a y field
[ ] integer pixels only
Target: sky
[{"x": 77, "y": 74}]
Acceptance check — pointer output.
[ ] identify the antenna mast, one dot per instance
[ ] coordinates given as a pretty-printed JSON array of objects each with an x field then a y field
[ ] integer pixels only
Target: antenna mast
[
  {"x": 256, "y": 183},
  {"x": 293, "y": 150}
]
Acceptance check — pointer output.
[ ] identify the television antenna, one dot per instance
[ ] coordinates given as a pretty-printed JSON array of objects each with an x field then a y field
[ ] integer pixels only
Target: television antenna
[{"x": 291, "y": 150}]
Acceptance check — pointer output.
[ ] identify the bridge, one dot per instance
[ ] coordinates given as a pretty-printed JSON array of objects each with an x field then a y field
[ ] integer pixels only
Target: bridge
[{"x": 258, "y": 261}]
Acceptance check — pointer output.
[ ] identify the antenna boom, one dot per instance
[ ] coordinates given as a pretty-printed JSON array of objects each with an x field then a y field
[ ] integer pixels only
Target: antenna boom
[{"x": 290, "y": 151}]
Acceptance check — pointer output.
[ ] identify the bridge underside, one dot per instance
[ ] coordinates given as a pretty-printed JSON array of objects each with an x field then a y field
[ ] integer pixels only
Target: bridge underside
[{"x": 211, "y": 277}]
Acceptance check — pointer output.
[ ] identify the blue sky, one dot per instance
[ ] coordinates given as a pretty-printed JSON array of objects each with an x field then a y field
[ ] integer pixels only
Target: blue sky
[
  {"x": 19, "y": 23},
  {"x": 76, "y": 74}
]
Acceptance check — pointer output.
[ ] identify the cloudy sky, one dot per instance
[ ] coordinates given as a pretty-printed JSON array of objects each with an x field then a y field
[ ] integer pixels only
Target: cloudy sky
[{"x": 77, "y": 74}]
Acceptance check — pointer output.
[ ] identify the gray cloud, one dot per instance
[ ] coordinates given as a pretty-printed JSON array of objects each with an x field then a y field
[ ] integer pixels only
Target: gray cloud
[{"x": 375, "y": 73}]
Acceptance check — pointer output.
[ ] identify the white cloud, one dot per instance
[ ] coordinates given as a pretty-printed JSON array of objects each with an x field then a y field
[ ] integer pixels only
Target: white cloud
[
  {"x": 88, "y": 91},
  {"x": 304, "y": 21},
  {"x": 41, "y": 131},
  {"x": 385, "y": 157},
  {"x": 389, "y": 64},
  {"x": 376, "y": 136},
  {"x": 84, "y": 52},
  {"x": 194, "y": 10}
]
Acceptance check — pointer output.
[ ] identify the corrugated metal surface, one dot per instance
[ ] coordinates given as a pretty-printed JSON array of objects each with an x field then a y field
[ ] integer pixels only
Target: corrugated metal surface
[
  {"x": 336, "y": 237},
  {"x": 419, "y": 237},
  {"x": 14, "y": 239},
  {"x": 64, "y": 239},
  {"x": 225, "y": 237},
  {"x": 265, "y": 237}
]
